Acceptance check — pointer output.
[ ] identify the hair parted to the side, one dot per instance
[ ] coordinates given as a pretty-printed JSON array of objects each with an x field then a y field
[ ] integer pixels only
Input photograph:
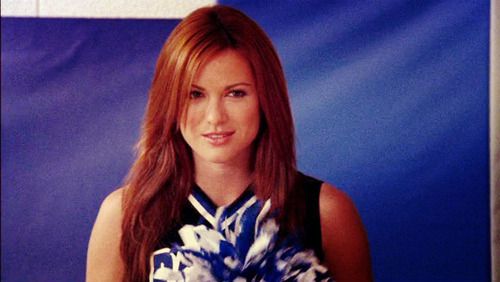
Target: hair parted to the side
[{"x": 161, "y": 178}]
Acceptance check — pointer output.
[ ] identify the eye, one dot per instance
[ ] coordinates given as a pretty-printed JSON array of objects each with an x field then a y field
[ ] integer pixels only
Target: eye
[
  {"x": 237, "y": 93},
  {"x": 195, "y": 94}
]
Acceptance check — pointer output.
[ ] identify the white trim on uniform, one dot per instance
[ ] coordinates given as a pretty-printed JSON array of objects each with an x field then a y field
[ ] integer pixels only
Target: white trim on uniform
[{"x": 203, "y": 212}]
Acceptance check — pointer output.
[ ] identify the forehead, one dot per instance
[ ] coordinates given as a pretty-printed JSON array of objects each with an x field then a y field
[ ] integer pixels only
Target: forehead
[{"x": 226, "y": 66}]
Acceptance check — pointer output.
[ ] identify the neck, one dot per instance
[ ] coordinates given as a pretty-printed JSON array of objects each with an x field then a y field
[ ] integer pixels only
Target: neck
[{"x": 223, "y": 183}]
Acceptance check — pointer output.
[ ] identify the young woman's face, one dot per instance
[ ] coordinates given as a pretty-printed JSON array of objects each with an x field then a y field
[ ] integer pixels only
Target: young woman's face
[{"x": 222, "y": 119}]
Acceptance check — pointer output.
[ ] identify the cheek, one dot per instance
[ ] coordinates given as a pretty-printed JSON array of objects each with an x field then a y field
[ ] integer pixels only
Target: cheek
[
  {"x": 254, "y": 120},
  {"x": 251, "y": 118},
  {"x": 187, "y": 126},
  {"x": 190, "y": 120}
]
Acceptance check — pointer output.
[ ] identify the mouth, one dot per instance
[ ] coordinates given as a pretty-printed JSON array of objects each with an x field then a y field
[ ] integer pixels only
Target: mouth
[{"x": 218, "y": 138}]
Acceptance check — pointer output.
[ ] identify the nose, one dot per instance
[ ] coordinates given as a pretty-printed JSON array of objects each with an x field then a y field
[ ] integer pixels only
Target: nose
[{"x": 216, "y": 112}]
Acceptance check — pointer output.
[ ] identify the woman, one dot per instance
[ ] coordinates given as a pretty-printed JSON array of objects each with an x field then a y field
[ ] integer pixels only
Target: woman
[{"x": 218, "y": 137}]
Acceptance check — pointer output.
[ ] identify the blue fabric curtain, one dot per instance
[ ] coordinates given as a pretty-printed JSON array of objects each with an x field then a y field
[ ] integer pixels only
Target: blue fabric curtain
[{"x": 390, "y": 101}]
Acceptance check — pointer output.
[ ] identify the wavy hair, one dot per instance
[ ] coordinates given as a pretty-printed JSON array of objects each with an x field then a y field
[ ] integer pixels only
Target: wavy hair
[{"x": 161, "y": 177}]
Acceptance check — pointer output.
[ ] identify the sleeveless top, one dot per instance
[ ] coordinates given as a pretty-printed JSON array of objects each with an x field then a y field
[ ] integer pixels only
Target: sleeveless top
[{"x": 232, "y": 241}]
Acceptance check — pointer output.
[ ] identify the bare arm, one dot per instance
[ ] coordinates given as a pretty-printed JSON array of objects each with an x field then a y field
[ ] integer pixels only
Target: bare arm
[
  {"x": 103, "y": 257},
  {"x": 344, "y": 238}
]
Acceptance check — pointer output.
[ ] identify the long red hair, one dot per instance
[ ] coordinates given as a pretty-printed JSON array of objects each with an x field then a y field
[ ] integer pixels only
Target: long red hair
[{"x": 161, "y": 178}]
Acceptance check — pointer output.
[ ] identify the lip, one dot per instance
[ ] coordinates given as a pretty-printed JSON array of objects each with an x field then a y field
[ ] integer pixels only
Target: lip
[{"x": 218, "y": 138}]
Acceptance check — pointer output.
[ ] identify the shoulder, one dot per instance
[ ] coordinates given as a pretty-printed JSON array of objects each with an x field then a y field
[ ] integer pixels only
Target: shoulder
[
  {"x": 334, "y": 201},
  {"x": 112, "y": 204},
  {"x": 344, "y": 238},
  {"x": 103, "y": 255},
  {"x": 111, "y": 212},
  {"x": 330, "y": 198}
]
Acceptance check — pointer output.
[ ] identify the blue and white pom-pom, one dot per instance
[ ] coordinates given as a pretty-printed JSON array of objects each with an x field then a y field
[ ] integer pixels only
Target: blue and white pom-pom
[{"x": 229, "y": 254}]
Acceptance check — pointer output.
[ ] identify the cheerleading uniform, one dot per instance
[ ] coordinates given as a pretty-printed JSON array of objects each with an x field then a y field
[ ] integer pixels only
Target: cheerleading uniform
[{"x": 239, "y": 241}]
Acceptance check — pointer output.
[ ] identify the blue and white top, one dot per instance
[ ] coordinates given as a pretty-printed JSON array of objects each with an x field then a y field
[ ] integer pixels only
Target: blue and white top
[{"x": 238, "y": 242}]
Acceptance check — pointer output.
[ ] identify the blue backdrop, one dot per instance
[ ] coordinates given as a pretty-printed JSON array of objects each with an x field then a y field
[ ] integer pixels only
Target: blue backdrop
[{"x": 390, "y": 101}]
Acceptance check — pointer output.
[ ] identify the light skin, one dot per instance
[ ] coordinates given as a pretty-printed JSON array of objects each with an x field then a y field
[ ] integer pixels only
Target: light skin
[
  {"x": 220, "y": 124},
  {"x": 344, "y": 239},
  {"x": 104, "y": 263}
]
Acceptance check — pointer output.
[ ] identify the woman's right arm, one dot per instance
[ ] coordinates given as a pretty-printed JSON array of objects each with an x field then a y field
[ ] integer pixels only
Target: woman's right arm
[{"x": 104, "y": 262}]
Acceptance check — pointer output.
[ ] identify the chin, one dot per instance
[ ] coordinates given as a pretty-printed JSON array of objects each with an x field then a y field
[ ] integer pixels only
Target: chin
[
  {"x": 218, "y": 158},
  {"x": 221, "y": 156}
]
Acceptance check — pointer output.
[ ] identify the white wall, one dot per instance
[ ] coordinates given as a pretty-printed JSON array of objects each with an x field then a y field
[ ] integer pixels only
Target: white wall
[{"x": 101, "y": 8}]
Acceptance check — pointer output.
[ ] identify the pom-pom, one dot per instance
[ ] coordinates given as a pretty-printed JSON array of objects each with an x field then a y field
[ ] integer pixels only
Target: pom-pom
[{"x": 216, "y": 255}]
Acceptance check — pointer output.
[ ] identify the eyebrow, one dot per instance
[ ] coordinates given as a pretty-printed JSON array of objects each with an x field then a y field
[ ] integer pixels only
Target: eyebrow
[{"x": 225, "y": 88}]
